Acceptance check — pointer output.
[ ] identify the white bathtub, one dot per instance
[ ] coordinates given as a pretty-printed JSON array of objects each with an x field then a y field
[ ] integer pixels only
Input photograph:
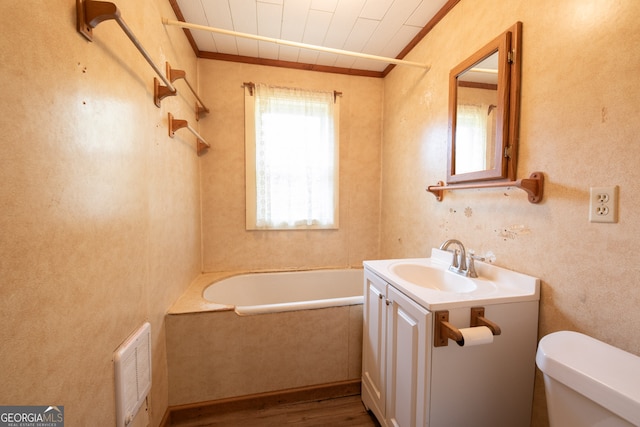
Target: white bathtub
[
  {"x": 310, "y": 334},
  {"x": 288, "y": 291}
]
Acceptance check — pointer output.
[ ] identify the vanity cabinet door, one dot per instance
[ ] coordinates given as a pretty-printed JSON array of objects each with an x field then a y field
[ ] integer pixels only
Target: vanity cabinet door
[
  {"x": 374, "y": 344},
  {"x": 408, "y": 355}
]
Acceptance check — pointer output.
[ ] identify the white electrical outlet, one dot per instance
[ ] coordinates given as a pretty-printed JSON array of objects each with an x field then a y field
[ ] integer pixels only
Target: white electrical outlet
[{"x": 603, "y": 204}]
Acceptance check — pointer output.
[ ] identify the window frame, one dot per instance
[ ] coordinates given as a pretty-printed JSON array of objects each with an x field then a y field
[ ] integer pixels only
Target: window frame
[{"x": 251, "y": 191}]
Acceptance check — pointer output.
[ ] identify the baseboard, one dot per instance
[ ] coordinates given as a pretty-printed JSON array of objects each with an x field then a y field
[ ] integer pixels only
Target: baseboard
[{"x": 192, "y": 411}]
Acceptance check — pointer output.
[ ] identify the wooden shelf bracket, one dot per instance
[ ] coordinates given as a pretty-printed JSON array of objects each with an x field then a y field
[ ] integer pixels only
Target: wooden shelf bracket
[
  {"x": 174, "y": 124},
  {"x": 173, "y": 75}
]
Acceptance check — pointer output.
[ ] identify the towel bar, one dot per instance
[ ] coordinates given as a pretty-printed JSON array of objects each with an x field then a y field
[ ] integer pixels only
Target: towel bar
[
  {"x": 534, "y": 186},
  {"x": 89, "y": 13}
]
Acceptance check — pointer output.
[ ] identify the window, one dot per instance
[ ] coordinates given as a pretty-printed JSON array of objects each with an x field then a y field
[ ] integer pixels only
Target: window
[{"x": 291, "y": 141}]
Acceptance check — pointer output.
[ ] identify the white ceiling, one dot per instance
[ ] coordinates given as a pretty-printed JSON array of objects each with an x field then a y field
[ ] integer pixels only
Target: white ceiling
[{"x": 375, "y": 27}]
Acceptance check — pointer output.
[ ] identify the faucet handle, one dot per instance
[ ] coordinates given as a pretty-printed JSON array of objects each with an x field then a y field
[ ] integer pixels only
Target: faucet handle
[
  {"x": 476, "y": 257},
  {"x": 472, "y": 255},
  {"x": 472, "y": 265}
]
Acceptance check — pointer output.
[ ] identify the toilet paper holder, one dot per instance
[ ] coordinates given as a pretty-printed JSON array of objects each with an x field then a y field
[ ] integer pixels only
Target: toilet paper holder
[{"x": 443, "y": 330}]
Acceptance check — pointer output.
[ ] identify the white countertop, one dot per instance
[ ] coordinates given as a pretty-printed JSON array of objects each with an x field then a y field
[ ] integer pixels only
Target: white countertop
[{"x": 494, "y": 285}]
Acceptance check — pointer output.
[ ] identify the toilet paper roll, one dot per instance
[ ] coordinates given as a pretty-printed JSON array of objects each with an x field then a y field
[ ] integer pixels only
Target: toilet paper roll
[{"x": 478, "y": 335}]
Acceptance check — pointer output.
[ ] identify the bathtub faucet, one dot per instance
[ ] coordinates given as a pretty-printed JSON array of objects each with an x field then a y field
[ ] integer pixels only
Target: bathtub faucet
[{"x": 459, "y": 263}]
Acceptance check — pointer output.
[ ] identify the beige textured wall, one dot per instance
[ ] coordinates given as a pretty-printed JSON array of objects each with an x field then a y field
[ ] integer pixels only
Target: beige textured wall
[
  {"x": 100, "y": 208},
  {"x": 226, "y": 243},
  {"x": 580, "y": 98}
]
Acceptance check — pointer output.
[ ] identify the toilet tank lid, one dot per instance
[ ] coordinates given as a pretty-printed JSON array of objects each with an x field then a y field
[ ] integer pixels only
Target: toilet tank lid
[{"x": 605, "y": 374}]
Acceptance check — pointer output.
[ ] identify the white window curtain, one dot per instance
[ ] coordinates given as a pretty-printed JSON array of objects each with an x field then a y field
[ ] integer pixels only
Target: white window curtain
[
  {"x": 471, "y": 138},
  {"x": 296, "y": 159}
]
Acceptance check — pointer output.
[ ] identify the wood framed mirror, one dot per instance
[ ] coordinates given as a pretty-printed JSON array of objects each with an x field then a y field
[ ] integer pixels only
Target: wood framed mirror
[{"x": 484, "y": 109}]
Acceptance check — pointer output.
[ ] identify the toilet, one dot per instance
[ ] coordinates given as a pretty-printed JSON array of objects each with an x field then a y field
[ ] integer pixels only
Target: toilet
[{"x": 588, "y": 382}]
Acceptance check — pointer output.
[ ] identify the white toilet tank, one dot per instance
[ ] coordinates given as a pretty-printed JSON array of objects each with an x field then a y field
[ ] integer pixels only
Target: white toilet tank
[{"x": 588, "y": 382}]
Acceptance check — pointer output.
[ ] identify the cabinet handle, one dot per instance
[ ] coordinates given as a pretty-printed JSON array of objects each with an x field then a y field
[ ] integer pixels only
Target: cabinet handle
[
  {"x": 379, "y": 296},
  {"x": 389, "y": 302}
]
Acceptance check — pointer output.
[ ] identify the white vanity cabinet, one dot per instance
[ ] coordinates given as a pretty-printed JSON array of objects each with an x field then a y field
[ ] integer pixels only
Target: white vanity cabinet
[
  {"x": 410, "y": 380},
  {"x": 396, "y": 353}
]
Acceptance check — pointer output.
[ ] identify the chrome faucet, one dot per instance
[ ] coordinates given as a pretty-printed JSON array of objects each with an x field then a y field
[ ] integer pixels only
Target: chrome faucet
[{"x": 461, "y": 264}]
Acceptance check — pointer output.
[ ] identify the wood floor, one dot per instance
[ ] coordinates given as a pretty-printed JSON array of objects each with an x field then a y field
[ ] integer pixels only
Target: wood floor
[{"x": 335, "y": 412}]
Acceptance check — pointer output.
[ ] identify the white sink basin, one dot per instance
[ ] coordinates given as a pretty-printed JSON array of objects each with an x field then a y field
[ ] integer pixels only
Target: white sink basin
[
  {"x": 429, "y": 282},
  {"x": 434, "y": 278}
]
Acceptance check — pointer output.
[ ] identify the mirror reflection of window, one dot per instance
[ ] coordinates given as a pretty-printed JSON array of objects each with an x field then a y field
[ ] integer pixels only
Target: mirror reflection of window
[
  {"x": 471, "y": 137},
  {"x": 476, "y": 116},
  {"x": 476, "y": 113}
]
